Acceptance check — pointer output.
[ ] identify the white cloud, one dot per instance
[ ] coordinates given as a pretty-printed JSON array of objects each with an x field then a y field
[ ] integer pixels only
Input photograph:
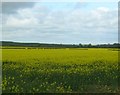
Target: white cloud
[
  {"x": 44, "y": 25},
  {"x": 16, "y": 22}
]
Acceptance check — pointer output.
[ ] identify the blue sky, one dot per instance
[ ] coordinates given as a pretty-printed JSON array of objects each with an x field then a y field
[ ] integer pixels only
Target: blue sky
[
  {"x": 83, "y": 5},
  {"x": 61, "y": 22}
]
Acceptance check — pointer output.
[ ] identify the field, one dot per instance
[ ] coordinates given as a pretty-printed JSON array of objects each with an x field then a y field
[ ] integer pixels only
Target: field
[{"x": 60, "y": 70}]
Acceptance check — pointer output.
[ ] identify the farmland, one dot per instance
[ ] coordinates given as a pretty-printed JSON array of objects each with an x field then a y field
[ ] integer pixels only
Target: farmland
[{"x": 60, "y": 70}]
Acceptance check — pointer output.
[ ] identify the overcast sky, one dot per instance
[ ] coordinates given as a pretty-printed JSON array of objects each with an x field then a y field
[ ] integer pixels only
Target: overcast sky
[{"x": 60, "y": 22}]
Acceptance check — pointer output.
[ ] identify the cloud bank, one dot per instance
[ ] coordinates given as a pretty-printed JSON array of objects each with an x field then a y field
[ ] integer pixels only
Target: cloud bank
[{"x": 60, "y": 22}]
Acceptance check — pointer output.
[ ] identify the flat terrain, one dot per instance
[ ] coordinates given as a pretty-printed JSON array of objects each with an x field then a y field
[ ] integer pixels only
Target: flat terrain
[{"x": 60, "y": 70}]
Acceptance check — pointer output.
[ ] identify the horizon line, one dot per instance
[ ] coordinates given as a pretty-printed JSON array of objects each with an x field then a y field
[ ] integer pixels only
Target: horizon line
[{"x": 56, "y": 42}]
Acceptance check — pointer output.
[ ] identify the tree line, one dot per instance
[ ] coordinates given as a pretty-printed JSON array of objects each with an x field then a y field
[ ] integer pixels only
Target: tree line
[{"x": 44, "y": 45}]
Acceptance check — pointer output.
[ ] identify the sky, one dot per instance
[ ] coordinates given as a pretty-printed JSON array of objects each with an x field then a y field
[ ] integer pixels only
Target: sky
[{"x": 60, "y": 22}]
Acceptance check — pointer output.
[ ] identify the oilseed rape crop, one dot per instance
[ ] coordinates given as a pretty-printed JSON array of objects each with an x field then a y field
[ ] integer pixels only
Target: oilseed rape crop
[{"x": 60, "y": 70}]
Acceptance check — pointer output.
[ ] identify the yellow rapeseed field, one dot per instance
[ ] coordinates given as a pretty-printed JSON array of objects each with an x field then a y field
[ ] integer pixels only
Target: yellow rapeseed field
[{"x": 60, "y": 70}]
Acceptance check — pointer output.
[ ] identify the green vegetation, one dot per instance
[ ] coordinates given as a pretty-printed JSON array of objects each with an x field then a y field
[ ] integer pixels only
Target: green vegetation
[
  {"x": 46, "y": 45},
  {"x": 60, "y": 70}
]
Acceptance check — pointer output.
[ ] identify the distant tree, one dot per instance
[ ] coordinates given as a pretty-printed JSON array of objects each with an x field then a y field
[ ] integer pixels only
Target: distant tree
[
  {"x": 80, "y": 45},
  {"x": 89, "y": 45}
]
